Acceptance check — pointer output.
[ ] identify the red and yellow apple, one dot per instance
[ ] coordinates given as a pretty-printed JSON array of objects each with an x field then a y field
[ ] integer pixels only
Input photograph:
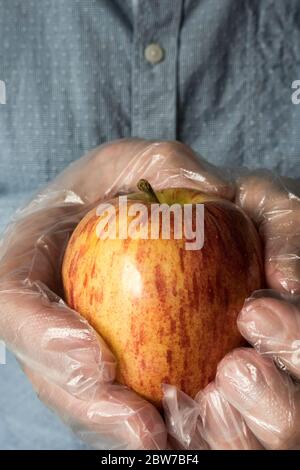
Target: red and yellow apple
[{"x": 167, "y": 313}]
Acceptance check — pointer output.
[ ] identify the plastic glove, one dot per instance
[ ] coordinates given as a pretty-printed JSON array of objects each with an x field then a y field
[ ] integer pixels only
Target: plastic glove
[
  {"x": 69, "y": 366},
  {"x": 252, "y": 404}
]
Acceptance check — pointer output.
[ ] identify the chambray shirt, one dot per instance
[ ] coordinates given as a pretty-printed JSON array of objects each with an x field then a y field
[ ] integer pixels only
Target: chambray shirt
[{"x": 80, "y": 72}]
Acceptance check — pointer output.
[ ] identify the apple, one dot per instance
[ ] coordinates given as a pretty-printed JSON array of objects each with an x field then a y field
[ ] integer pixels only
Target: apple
[{"x": 168, "y": 313}]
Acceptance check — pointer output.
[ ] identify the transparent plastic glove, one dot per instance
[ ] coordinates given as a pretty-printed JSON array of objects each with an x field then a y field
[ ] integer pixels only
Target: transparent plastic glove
[
  {"x": 68, "y": 364},
  {"x": 252, "y": 403},
  {"x": 207, "y": 422},
  {"x": 274, "y": 204}
]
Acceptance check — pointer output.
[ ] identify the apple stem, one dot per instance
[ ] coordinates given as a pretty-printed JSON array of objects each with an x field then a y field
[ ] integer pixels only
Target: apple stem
[{"x": 144, "y": 186}]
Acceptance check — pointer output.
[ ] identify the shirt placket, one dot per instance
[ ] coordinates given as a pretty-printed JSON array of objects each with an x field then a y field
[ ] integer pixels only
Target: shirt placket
[{"x": 154, "y": 68}]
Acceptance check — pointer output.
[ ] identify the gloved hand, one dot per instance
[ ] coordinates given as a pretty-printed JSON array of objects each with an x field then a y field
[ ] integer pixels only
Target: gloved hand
[
  {"x": 70, "y": 367},
  {"x": 254, "y": 401}
]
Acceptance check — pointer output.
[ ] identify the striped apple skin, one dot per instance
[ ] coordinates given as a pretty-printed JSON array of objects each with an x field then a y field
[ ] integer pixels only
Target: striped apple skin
[{"x": 168, "y": 314}]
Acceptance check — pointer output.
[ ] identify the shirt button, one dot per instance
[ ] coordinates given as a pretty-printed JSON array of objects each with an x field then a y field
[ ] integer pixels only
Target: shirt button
[{"x": 154, "y": 53}]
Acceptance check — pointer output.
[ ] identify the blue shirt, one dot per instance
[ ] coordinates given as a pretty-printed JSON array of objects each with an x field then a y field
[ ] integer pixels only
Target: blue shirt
[{"x": 76, "y": 75}]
